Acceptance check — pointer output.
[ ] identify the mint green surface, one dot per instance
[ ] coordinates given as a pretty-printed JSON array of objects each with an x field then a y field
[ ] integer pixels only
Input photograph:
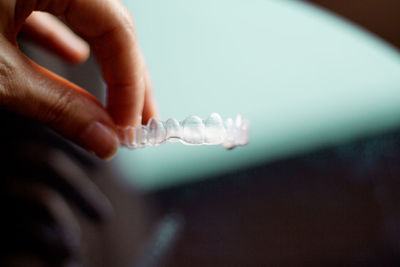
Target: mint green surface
[{"x": 304, "y": 78}]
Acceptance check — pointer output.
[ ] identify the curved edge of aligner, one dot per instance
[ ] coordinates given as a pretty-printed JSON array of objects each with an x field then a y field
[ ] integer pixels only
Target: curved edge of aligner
[{"x": 191, "y": 131}]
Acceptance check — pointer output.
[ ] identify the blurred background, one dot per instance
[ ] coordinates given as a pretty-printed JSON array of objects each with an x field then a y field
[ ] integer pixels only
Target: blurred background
[{"x": 317, "y": 185}]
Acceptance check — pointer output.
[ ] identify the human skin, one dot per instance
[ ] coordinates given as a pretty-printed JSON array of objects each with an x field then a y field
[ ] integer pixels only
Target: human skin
[
  {"x": 106, "y": 27},
  {"x": 48, "y": 192}
]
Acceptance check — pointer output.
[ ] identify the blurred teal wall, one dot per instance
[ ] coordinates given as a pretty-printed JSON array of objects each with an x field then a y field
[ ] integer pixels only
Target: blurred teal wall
[{"x": 304, "y": 78}]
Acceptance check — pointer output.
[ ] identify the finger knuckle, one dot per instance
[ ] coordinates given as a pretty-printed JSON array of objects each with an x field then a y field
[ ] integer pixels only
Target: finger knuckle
[
  {"x": 126, "y": 21},
  {"x": 59, "y": 108},
  {"x": 7, "y": 72}
]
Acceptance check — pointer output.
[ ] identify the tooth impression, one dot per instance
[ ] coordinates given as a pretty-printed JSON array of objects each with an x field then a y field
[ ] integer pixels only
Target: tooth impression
[
  {"x": 156, "y": 132},
  {"x": 214, "y": 129},
  {"x": 141, "y": 136},
  {"x": 174, "y": 130},
  {"x": 193, "y": 130}
]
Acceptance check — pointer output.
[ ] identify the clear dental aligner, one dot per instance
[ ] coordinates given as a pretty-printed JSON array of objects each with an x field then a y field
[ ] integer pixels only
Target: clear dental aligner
[{"x": 191, "y": 131}]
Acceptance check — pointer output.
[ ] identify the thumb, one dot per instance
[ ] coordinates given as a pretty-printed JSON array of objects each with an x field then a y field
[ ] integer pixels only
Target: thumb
[{"x": 37, "y": 93}]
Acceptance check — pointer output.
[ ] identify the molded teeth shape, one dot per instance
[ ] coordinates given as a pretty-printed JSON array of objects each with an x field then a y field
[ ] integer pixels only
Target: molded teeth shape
[{"x": 191, "y": 131}]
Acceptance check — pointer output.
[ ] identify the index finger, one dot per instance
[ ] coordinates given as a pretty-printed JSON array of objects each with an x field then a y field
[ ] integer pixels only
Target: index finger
[{"x": 108, "y": 27}]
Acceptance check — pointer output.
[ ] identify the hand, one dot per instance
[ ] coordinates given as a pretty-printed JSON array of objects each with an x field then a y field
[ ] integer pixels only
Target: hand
[
  {"x": 35, "y": 92},
  {"x": 40, "y": 190}
]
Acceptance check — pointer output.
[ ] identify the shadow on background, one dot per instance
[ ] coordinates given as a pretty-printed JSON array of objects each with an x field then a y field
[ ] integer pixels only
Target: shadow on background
[
  {"x": 378, "y": 16},
  {"x": 338, "y": 206}
]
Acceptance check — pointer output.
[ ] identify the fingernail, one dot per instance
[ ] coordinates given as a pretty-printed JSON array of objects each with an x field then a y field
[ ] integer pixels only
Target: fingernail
[{"x": 101, "y": 140}]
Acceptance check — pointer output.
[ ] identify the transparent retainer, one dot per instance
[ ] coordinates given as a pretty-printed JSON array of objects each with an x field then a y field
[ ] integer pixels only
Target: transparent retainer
[{"x": 191, "y": 131}]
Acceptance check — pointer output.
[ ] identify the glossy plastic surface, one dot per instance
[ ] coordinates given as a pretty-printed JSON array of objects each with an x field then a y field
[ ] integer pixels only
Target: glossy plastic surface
[{"x": 191, "y": 131}]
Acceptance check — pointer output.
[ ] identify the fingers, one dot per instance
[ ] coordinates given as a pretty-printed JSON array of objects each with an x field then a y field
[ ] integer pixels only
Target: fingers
[
  {"x": 39, "y": 221},
  {"x": 36, "y": 201},
  {"x": 150, "y": 108},
  {"x": 111, "y": 34},
  {"x": 50, "y": 33},
  {"x": 76, "y": 186},
  {"x": 54, "y": 168},
  {"x": 32, "y": 91}
]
